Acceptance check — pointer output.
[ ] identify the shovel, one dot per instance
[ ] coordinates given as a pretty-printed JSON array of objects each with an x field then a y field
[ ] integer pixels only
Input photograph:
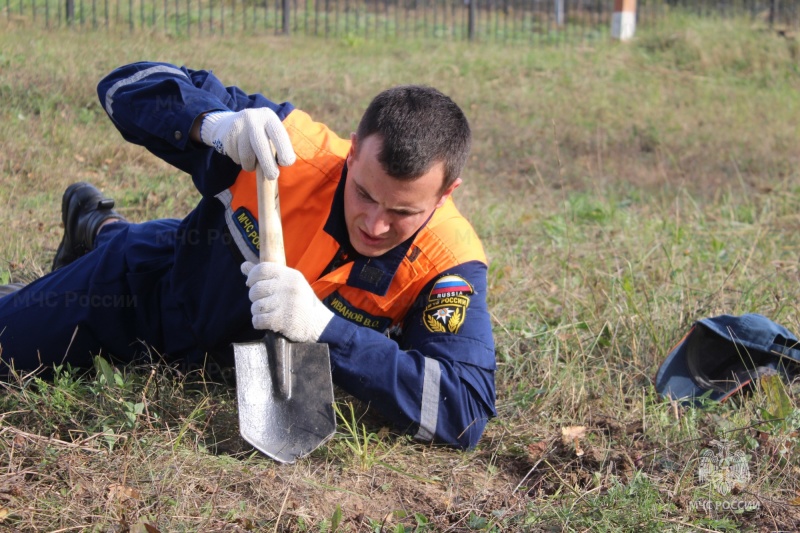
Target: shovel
[{"x": 284, "y": 389}]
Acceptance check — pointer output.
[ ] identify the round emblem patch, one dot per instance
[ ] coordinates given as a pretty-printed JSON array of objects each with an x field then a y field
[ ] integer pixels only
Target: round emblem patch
[{"x": 447, "y": 304}]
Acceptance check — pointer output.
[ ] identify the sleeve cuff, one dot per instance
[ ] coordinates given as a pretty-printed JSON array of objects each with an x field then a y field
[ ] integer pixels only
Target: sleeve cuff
[
  {"x": 211, "y": 118},
  {"x": 338, "y": 335}
]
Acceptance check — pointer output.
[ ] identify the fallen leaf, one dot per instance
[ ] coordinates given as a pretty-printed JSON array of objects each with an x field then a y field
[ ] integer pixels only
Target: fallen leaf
[
  {"x": 206, "y": 486},
  {"x": 573, "y": 434},
  {"x": 245, "y": 523},
  {"x": 3, "y": 513},
  {"x": 143, "y": 527},
  {"x": 118, "y": 491},
  {"x": 536, "y": 450},
  {"x": 634, "y": 427},
  {"x": 779, "y": 404}
]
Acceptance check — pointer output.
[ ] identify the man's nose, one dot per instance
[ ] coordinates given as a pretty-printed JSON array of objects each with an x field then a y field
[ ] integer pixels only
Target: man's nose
[{"x": 377, "y": 222}]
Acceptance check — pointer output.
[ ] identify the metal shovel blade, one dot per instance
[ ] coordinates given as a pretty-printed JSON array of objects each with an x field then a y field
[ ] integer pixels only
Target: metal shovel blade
[{"x": 285, "y": 395}]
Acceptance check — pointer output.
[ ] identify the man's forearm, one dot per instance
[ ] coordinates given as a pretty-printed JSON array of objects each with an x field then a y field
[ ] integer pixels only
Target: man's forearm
[
  {"x": 194, "y": 131},
  {"x": 426, "y": 394}
]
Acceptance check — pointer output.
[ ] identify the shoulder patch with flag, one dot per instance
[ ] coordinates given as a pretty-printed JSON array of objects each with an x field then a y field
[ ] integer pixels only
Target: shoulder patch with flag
[{"x": 447, "y": 304}]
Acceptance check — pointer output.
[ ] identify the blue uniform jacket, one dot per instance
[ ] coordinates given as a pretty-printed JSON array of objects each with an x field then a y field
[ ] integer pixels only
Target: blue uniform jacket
[{"x": 441, "y": 389}]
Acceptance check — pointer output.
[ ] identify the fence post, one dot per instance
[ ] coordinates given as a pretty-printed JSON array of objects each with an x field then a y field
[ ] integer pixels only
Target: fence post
[
  {"x": 623, "y": 22},
  {"x": 773, "y": 12},
  {"x": 286, "y": 4},
  {"x": 472, "y": 20},
  {"x": 558, "y": 6}
]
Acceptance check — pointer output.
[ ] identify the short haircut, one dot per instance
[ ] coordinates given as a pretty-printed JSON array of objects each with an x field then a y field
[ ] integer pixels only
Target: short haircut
[{"x": 419, "y": 127}]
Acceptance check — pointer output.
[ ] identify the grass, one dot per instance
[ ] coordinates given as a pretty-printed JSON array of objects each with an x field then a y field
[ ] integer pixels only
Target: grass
[{"x": 622, "y": 192}]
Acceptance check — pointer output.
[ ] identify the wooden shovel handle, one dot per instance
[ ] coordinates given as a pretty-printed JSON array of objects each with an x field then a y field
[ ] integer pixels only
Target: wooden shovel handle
[
  {"x": 270, "y": 249},
  {"x": 270, "y": 232}
]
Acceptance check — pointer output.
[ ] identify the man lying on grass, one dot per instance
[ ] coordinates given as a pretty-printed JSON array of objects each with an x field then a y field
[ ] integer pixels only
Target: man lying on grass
[{"x": 381, "y": 265}]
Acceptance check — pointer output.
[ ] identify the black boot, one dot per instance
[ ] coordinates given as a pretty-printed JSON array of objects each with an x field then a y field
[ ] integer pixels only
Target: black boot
[{"x": 83, "y": 210}]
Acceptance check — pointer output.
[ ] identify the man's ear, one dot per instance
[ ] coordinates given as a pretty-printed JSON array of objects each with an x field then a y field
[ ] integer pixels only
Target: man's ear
[
  {"x": 352, "y": 153},
  {"x": 448, "y": 191}
]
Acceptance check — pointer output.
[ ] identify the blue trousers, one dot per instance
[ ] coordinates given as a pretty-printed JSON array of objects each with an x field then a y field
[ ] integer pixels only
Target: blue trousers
[{"x": 119, "y": 300}]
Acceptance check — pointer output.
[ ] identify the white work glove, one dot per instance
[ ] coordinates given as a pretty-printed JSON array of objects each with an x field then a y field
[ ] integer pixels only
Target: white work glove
[
  {"x": 284, "y": 302},
  {"x": 245, "y": 137}
]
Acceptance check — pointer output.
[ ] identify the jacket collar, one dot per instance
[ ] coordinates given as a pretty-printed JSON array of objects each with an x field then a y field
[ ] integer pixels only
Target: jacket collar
[{"x": 372, "y": 274}]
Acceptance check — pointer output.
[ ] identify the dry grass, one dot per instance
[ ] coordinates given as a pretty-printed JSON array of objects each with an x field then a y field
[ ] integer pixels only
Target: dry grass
[{"x": 622, "y": 192}]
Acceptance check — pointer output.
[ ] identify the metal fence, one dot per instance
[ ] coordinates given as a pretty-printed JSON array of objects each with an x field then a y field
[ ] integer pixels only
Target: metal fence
[
  {"x": 774, "y": 12},
  {"x": 483, "y": 20}
]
